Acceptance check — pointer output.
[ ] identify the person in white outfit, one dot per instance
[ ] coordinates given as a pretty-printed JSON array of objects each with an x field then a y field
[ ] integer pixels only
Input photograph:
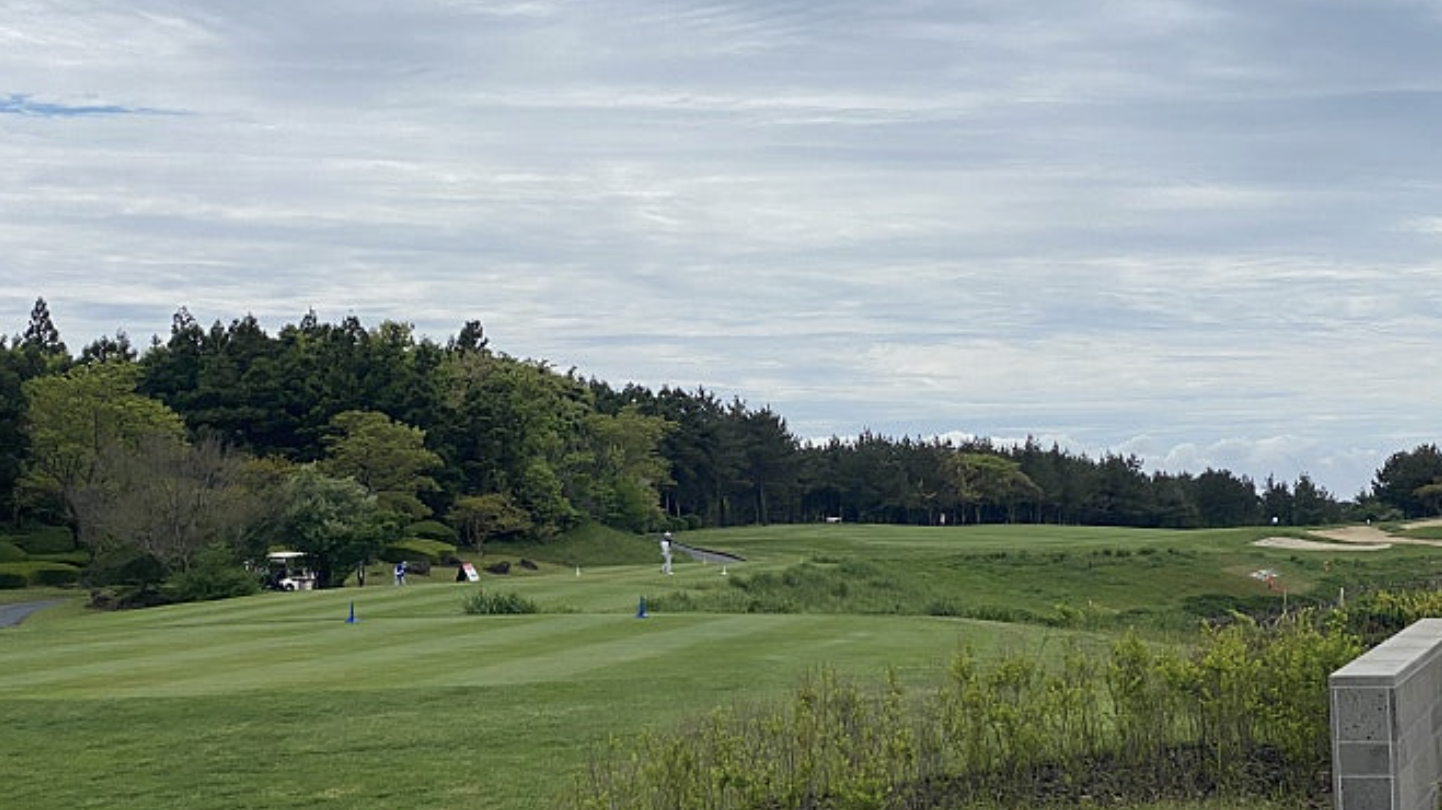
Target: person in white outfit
[{"x": 666, "y": 553}]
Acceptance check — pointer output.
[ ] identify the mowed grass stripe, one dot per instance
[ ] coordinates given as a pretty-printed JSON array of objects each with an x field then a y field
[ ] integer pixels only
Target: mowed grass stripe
[{"x": 464, "y": 651}]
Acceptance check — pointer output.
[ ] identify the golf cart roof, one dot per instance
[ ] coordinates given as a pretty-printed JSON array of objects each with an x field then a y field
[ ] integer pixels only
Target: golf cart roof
[{"x": 285, "y": 555}]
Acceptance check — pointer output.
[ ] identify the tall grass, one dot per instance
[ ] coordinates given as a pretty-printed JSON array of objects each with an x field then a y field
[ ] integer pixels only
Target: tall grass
[{"x": 1242, "y": 716}]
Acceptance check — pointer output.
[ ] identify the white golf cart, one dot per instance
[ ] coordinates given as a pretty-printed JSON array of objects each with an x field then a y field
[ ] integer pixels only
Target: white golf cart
[{"x": 287, "y": 571}]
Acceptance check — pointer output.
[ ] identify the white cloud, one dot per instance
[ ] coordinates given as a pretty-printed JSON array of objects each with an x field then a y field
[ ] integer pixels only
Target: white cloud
[{"x": 1206, "y": 224}]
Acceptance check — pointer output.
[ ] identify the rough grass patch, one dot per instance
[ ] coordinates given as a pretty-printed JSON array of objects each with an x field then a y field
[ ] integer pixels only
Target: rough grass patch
[{"x": 482, "y": 603}]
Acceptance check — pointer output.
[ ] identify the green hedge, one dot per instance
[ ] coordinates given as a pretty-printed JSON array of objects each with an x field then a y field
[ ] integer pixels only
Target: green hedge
[
  {"x": 53, "y": 574},
  {"x": 79, "y": 559},
  {"x": 416, "y": 548},
  {"x": 46, "y": 540},
  {"x": 9, "y": 552},
  {"x": 34, "y": 572},
  {"x": 433, "y": 530}
]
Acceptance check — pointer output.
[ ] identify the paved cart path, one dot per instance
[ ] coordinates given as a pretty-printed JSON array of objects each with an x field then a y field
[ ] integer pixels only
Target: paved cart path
[{"x": 11, "y": 615}]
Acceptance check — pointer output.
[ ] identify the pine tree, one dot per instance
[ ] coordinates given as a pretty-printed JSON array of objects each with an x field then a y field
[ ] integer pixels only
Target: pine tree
[{"x": 41, "y": 334}]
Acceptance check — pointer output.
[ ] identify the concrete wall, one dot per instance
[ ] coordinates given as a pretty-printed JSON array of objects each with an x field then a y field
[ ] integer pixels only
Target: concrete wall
[{"x": 1387, "y": 724}]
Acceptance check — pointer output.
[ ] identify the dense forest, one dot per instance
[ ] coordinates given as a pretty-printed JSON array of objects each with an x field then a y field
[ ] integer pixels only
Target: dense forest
[{"x": 341, "y": 437}]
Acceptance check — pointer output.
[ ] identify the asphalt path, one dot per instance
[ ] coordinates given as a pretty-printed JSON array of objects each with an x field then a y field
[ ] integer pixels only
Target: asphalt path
[{"x": 11, "y": 615}]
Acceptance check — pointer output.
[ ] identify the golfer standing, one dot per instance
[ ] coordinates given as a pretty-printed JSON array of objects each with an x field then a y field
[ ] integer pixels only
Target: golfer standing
[
  {"x": 666, "y": 553},
  {"x": 401, "y": 572}
]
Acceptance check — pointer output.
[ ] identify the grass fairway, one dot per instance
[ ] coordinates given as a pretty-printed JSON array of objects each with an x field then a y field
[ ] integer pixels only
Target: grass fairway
[{"x": 276, "y": 701}]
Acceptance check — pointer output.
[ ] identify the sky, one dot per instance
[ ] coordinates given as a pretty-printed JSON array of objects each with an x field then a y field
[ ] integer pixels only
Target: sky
[{"x": 1204, "y": 232}]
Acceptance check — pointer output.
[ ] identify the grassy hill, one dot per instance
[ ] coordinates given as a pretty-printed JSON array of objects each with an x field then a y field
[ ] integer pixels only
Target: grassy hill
[{"x": 278, "y": 701}]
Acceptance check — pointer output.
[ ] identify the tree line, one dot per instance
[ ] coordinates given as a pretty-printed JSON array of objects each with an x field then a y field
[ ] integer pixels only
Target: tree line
[{"x": 348, "y": 435}]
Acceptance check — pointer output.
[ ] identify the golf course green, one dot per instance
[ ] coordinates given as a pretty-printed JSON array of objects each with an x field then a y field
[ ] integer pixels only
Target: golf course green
[{"x": 394, "y": 697}]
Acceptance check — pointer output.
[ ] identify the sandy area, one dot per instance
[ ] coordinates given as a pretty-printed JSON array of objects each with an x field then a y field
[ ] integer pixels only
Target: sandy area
[
  {"x": 1300, "y": 544},
  {"x": 1351, "y": 538}
]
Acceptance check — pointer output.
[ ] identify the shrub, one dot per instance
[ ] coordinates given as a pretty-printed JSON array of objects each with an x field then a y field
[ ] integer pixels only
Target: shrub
[
  {"x": 481, "y": 603},
  {"x": 125, "y": 567},
  {"x": 214, "y": 576},
  {"x": 9, "y": 552},
  {"x": 53, "y": 574},
  {"x": 211, "y": 583},
  {"x": 12, "y": 580},
  {"x": 75, "y": 559},
  {"x": 125, "y": 597},
  {"x": 433, "y": 530},
  {"x": 47, "y": 540},
  {"x": 418, "y": 548},
  {"x": 1242, "y": 715},
  {"x": 32, "y": 572}
]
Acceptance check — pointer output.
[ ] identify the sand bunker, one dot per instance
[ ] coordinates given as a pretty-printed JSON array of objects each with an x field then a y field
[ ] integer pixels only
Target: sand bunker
[
  {"x": 1350, "y": 538},
  {"x": 1300, "y": 544}
]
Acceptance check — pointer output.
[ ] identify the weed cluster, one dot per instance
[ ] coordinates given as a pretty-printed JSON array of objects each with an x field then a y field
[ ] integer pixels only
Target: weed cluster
[
  {"x": 481, "y": 603},
  {"x": 1095, "y": 590},
  {"x": 1243, "y": 714}
]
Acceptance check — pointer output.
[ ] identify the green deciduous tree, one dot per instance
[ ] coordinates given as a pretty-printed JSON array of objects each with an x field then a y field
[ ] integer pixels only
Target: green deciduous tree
[
  {"x": 984, "y": 480},
  {"x": 388, "y": 459},
  {"x": 511, "y": 428},
  {"x": 169, "y": 499},
  {"x": 618, "y": 473},
  {"x": 73, "y": 418},
  {"x": 334, "y": 521},
  {"x": 486, "y": 517}
]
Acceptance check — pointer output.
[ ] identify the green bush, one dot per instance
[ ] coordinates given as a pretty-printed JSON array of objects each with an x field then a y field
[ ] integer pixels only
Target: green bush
[
  {"x": 125, "y": 567},
  {"x": 211, "y": 583},
  {"x": 47, "y": 540},
  {"x": 11, "y": 580},
  {"x": 481, "y": 603},
  {"x": 1240, "y": 716},
  {"x": 9, "y": 552},
  {"x": 417, "y": 548},
  {"x": 433, "y": 530},
  {"x": 41, "y": 573},
  {"x": 53, "y": 574},
  {"x": 77, "y": 559},
  {"x": 126, "y": 597},
  {"x": 214, "y": 575}
]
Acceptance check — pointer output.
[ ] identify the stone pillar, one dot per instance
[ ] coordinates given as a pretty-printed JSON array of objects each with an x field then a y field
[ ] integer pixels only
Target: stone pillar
[{"x": 1387, "y": 723}]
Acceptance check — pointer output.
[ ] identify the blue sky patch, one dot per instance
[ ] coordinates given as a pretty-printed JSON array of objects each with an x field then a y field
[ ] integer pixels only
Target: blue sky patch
[{"x": 25, "y": 104}]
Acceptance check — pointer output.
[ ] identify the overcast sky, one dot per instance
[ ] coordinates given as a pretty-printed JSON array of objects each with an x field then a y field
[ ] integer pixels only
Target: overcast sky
[{"x": 1208, "y": 232}]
